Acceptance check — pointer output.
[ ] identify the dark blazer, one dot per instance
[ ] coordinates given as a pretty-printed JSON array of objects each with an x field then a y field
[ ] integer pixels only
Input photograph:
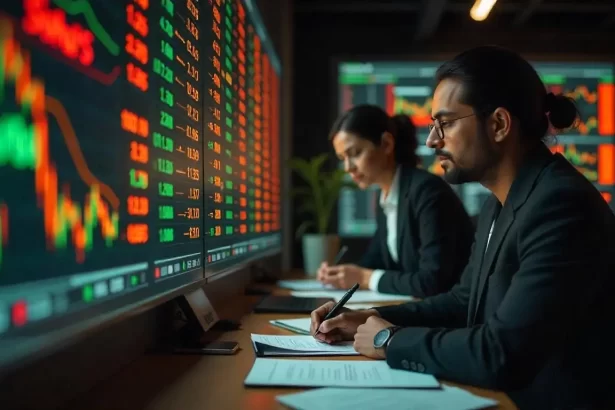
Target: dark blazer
[
  {"x": 533, "y": 314},
  {"x": 434, "y": 238}
]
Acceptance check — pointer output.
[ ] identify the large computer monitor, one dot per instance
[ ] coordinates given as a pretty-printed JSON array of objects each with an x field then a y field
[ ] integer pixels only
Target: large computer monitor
[
  {"x": 407, "y": 87},
  {"x": 139, "y": 153}
]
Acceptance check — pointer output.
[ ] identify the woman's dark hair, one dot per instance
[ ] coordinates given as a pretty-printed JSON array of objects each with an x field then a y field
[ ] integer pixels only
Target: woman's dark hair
[
  {"x": 370, "y": 122},
  {"x": 495, "y": 77}
]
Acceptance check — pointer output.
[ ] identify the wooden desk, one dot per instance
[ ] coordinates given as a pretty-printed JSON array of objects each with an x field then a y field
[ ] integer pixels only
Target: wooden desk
[{"x": 206, "y": 382}]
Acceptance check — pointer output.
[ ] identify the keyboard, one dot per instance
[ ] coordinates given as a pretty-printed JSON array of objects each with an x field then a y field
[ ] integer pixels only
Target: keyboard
[{"x": 289, "y": 304}]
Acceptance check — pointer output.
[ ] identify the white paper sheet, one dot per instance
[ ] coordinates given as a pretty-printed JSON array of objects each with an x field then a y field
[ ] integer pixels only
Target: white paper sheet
[
  {"x": 449, "y": 398},
  {"x": 359, "y": 306},
  {"x": 302, "y": 284},
  {"x": 302, "y": 346},
  {"x": 333, "y": 373},
  {"x": 301, "y": 325},
  {"x": 360, "y": 296}
]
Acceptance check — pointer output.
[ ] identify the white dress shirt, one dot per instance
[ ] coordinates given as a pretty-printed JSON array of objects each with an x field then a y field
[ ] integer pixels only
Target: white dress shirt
[{"x": 389, "y": 205}]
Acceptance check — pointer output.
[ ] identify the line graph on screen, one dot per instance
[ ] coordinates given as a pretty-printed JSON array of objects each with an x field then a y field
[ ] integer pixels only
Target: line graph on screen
[
  {"x": 595, "y": 100},
  {"x": 25, "y": 147}
]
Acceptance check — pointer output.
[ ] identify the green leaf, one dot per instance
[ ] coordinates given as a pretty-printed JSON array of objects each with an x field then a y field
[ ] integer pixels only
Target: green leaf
[
  {"x": 302, "y": 228},
  {"x": 303, "y": 168},
  {"x": 317, "y": 162},
  {"x": 320, "y": 195}
]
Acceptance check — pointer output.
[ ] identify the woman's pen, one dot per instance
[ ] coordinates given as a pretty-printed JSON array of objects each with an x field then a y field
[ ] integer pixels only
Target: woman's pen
[{"x": 340, "y": 255}]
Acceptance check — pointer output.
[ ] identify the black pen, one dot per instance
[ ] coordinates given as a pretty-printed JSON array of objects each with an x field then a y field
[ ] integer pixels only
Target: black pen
[
  {"x": 339, "y": 305},
  {"x": 340, "y": 255}
]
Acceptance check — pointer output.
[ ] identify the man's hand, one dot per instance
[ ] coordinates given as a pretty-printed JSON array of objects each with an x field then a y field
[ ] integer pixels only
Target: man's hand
[
  {"x": 345, "y": 276},
  {"x": 364, "y": 338},
  {"x": 342, "y": 327}
]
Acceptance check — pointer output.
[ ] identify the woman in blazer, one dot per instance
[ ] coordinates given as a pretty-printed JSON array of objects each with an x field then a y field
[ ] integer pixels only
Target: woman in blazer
[{"x": 424, "y": 234}]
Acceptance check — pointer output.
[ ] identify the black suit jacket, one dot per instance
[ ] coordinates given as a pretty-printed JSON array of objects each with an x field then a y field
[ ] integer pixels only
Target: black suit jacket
[
  {"x": 529, "y": 315},
  {"x": 434, "y": 238}
]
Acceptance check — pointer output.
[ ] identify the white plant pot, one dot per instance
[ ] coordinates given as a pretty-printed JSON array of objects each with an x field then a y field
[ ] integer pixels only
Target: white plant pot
[{"x": 318, "y": 248}]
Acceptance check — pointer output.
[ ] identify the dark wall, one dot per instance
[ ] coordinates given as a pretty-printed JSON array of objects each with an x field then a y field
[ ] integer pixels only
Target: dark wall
[
  {"x": 272, "y": 14},
  {"x": 320, "y": 39}
]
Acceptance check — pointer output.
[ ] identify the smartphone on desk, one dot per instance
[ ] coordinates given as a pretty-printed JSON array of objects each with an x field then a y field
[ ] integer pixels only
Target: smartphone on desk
[{"x": 212, "y": 348}]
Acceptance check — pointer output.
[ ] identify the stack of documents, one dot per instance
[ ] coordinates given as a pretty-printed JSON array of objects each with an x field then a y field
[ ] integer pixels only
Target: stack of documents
[
  {"x": 360, "y": 296},
  {"x": 448, "y": 398},
  {"x": 302, "y": 284},
  {"x": 335, "y": 373},
  {"x": 267, "y": 345}
]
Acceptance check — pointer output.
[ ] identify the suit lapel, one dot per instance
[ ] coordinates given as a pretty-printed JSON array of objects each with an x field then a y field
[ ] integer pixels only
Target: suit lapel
[
  {"x": 524, "y": 183},
  {"x": 500, "y": 229},
  {"x": 482, "y": 233}
]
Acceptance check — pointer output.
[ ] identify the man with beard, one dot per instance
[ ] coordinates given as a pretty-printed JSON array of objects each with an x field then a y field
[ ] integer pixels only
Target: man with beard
[{"x": 530, "y": 314}]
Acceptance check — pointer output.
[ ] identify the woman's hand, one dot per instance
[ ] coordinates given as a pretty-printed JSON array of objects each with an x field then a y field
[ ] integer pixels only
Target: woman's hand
[{"x": 345, "y": 276}]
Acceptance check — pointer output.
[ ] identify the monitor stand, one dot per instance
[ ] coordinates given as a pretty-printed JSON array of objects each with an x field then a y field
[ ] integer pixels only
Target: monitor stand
[{"x": 198, "y": 316}]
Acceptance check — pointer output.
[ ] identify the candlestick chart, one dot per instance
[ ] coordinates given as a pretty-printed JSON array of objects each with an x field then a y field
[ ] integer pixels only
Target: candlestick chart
[
  {"x": 595, "y": 100},
  {"x": 583, "y": 157}
]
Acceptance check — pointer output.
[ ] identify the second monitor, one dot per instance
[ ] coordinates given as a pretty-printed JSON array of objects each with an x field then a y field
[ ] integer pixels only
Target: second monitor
[{"x": 407, "y": 87}]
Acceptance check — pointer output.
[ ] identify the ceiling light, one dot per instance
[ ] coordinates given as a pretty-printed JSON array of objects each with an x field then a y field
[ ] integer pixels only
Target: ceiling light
[{"x": 481, "y": 8}]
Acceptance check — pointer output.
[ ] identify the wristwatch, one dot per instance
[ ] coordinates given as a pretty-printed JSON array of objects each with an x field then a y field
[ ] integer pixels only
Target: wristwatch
[{"x": 383, "y": 337}]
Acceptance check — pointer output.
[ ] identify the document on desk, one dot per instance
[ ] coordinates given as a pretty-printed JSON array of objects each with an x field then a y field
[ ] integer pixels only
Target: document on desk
[
  {"x": 334, "y": 373},
  {"x": 359, "y": 306},
  {"x": 360, "y": 296},
  {"x": 301, "y": 325},
  {"x": 448, "y": 398},
  {"x": 302, "y": 284},
  {"x": 268, "y": 345}
]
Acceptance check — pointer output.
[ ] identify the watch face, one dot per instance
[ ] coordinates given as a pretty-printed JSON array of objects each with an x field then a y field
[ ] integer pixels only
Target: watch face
[{"x": 381, "y": 338}]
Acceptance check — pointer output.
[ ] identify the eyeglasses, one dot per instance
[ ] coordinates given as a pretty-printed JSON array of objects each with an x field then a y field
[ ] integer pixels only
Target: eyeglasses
[{"x": 437, "y": 124}]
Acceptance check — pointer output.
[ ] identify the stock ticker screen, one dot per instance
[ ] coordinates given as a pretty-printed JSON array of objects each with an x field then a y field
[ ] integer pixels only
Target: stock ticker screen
[
  {"x": 407, "y": 87},
  {"x": 139, "y": 151}
]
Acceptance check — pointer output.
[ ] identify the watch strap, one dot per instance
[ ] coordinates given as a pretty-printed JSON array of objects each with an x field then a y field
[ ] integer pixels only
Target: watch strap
[{"x": 394, "y": 330}]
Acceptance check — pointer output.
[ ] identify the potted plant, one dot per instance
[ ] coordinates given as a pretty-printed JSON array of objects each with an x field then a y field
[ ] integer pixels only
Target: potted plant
[{"x": 316, "y": 201}]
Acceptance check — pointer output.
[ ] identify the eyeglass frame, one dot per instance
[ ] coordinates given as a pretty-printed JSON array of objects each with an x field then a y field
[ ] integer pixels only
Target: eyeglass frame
[{"x": 437, "y": 124}]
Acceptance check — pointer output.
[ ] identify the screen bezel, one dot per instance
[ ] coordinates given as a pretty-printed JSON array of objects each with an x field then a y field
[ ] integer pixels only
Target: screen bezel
[{"x": 35, "y": 348}]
